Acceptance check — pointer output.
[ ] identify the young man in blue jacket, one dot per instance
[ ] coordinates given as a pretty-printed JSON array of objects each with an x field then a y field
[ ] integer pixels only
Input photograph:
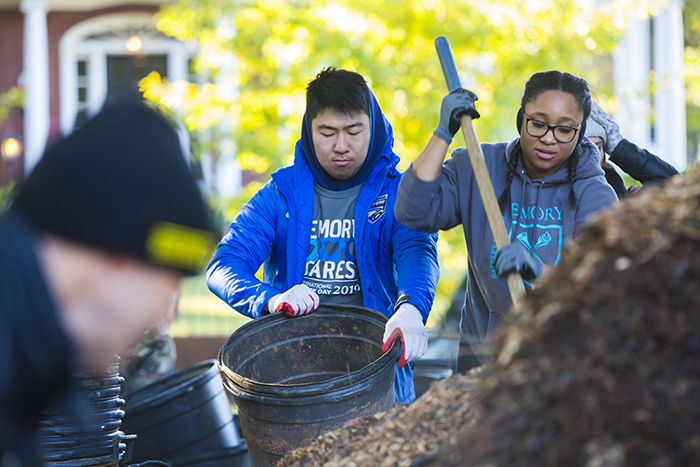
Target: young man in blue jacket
[{"x": 325, "y": 227}]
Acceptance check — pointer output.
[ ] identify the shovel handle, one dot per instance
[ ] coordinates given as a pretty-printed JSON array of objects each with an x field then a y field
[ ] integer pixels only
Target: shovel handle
[
  {"x": 488, "y": 197},
  {"x": 481, "y": 173},
  {"x": 447, "y": 62}
]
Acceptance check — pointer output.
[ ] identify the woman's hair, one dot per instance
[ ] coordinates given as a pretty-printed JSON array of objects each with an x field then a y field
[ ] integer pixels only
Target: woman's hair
[{"x": 537, "y": 84}]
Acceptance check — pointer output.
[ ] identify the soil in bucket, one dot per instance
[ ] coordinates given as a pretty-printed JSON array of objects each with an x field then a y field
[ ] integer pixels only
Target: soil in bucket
[{"x": 294, "y": 379}]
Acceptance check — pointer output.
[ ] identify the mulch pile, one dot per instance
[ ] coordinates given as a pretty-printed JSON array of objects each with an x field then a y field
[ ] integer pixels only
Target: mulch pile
[
  {"x": 601, "y": 364},
  {"x": 599, "y": 367},
  {"x": 396, "y": 437}
]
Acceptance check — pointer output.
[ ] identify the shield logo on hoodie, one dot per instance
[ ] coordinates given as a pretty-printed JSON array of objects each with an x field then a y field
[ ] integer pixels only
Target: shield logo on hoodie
[
  {"x": 547, "y": 244},
  {"x": 377, "y": 209}
]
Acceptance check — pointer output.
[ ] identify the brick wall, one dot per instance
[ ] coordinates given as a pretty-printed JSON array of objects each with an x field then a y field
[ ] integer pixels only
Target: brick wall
[
  {"x": 11, "y": 50},
  {"x": 11, "y": 63},
  {"x": 11, "y": 40}
]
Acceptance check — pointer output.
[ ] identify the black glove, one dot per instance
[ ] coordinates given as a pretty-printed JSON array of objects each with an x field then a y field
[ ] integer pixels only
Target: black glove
[
  {"x": 515, "y": 257},
  {"x": 454, "y": 105}
]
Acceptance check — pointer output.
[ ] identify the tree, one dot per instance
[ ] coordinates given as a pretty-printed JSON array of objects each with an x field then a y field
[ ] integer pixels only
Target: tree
[
  {"x": 12, "y": 98},
  {"x": 280, "y": 45},
  {"x": 691, "y": 29}
]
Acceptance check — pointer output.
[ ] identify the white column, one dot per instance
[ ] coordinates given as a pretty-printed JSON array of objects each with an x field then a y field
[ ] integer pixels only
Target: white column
[
  {"x": 208, "y": 175},
  {"x": 228, "y": 171},
  {"x": 97, "y": 80},
  {"x": 670, "y": 141},
  {"x": 631, "y": 65},
  {"x": 177, "y": 63},
  {"x": 37, "y": 111}
]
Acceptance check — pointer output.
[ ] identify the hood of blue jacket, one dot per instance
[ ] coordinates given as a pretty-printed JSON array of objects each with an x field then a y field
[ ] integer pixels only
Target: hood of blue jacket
[{"x": 381, "y": 146}]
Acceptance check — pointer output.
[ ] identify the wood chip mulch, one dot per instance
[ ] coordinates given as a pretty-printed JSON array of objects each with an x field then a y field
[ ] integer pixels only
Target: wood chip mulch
[
  {"x": 600, "y": 366},
  {"x": 397, "y": 437}
]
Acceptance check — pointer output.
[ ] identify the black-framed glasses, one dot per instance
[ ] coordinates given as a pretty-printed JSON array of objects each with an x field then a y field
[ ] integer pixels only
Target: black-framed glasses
[{"x": 562, "y": 133}]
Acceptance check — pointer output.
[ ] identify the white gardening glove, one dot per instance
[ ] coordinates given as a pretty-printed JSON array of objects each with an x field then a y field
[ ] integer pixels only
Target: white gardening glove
[
  {"x": 612, "y": 130},
  {"x": 297, "y": 301},
  {"x": 408, "y": 322}
]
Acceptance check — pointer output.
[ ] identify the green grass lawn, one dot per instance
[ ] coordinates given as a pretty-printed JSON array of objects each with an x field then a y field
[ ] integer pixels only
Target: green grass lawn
[{"x": 201, "y": 313}]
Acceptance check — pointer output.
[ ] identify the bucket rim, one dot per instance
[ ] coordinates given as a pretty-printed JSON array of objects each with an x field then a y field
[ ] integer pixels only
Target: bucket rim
[
  {"x": 242, "y": 386},
  {"x": 178, "y": 390}
]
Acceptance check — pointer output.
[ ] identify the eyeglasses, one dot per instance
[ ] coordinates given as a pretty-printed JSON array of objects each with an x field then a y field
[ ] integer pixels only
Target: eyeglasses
[{"x": 562, "y": 133}]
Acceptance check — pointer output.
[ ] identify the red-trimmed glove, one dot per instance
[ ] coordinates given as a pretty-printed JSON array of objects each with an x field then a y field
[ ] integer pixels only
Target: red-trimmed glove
[
  {"x": 297, "y": 301},
  {"x": 407, "y": 322}
]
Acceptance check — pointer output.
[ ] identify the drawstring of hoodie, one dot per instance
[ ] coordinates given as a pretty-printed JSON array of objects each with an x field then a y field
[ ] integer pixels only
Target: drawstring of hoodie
[
  {"x": 533, "y": 233},
  {"x": 520, "y": 211},
  {"x": 534, "y": 220}
]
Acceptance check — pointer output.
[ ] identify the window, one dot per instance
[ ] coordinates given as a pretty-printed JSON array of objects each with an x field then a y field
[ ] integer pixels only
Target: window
[{"x": 83, "y": 104}]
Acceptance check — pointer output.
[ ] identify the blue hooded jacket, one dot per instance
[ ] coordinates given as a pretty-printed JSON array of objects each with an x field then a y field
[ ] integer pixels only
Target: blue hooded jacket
[{"x": 274, "y": 228}]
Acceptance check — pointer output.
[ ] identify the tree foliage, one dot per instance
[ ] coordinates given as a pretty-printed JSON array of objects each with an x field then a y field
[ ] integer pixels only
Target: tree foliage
[
  {"x": 279, "y": 46},
  {"x": 691, "y": 29},
  {"x": 12, "y": 98}
]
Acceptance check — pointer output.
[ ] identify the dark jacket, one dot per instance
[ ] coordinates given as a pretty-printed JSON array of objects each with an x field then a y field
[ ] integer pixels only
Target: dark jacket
[
  {"x": 36, "y": 357},
  {"x": 639, "y": 164},
  {"x": 539, "y": 216}
]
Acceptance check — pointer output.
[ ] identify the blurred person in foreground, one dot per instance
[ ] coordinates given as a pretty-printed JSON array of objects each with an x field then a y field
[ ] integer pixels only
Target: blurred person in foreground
[
  {"x": 636, "y": 162},
  {"x": 92, "y": 252},
  {"x": 325, "y": 227}
]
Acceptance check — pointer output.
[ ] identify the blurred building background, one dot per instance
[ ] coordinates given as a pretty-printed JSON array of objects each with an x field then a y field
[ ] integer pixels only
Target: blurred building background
[
  {"x": 62, "y": 60},
  {"x": 70, "y": 57}
]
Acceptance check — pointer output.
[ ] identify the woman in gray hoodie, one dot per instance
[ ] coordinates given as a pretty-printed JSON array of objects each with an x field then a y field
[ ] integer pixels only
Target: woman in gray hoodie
[{"x": 548, "y": 180}]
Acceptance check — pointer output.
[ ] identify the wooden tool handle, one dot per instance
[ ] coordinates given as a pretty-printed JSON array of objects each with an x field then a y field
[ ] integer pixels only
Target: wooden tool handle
[
  {"x": 488, "y": 197},
  {"x": 481, "y": 173}
]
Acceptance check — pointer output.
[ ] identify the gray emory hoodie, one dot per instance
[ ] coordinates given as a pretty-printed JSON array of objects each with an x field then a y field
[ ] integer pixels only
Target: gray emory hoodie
[{"x": 539, "y": 216}]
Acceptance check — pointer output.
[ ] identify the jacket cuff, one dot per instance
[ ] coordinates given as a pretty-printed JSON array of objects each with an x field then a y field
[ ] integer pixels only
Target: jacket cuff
[
  {"x": 262, "y": 299},
  {"x": 419, "y": 301}
]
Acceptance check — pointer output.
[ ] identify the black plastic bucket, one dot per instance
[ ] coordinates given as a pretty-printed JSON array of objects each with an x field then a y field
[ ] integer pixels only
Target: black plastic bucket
[
  {"x": 183, "y": 415},
  {"x": 229, "y": 457},
  {"x": 71, "y": 440},
  {"x": 296, "y": 378}
]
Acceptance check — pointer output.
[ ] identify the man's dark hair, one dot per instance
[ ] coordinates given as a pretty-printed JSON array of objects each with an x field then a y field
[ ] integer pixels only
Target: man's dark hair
[{"x": 342, "y": 90}]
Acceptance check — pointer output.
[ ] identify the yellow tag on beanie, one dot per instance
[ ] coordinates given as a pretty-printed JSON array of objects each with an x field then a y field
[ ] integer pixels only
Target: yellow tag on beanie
[{"x": 179, "y": 246}]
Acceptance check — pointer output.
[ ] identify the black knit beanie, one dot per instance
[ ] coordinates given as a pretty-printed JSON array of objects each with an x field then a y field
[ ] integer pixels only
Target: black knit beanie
[{"x": 121, "y": 183}]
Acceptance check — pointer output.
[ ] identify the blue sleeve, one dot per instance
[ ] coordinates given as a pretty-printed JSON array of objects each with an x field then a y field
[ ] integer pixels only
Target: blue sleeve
[
  {"x": 641, "y": 165},
  {"x": 416, "y": 266},
  {"x": 247, "y": 244}
]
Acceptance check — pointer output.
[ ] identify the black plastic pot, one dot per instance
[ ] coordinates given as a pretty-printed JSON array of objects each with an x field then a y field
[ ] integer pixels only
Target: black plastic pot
[
  {"x": 186, "y": 414},
  {"x": 296, "y": 378},
  {"x": 93, "y": 439},
  {"x": 230, "y": 457}
]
